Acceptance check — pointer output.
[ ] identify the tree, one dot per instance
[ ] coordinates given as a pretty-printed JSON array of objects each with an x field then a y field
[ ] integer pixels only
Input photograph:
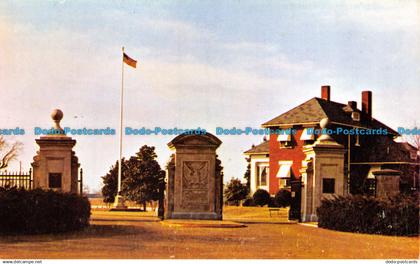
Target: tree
[
  {"x": 235, "y": 191},
  {"x": 247, "y": 175},
  {"x": 414, "y": 140},
  {"x": 142, "y": 184},
  {"x": 109, "y": 190},
  {"x": 219, "y": 167},
  {"x": 140, "y": 178},
  {"x": 8, "y": 152}
]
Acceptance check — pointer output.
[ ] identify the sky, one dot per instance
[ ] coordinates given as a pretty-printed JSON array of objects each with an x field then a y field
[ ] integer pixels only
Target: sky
[{"x": 201, "y": 64}]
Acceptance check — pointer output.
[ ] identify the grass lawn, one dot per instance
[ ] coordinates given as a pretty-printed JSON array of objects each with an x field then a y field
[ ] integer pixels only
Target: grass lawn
[
  {"x": 139, "y": 235},
  {"x": 254, "y": 214},
  {"x": 229, "y": 213}
]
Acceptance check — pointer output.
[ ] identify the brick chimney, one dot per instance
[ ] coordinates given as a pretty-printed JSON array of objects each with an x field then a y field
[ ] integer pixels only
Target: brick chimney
[
  {"x": 352, "y": 105},
  {"x": 367, "y": 103},
  {"x": 325, "y": 92}
]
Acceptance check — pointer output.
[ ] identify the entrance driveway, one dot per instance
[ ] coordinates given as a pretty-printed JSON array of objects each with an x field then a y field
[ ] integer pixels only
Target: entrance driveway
[{"x": 145, "y": 237}]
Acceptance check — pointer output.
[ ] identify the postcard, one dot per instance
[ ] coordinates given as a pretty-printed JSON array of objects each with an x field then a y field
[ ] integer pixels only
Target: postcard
[{"x": 157, "y": 131}]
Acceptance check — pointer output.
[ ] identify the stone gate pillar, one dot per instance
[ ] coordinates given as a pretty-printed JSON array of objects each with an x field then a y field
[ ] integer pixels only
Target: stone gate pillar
[
  {"x": 322, "y": 173},
  {"x": 194, "y": 189},
  {"x": 56, "y": 166}
]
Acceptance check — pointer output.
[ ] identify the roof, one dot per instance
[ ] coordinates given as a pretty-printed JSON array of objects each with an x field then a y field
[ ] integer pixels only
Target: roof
[
  {"x": 402, "y": 151},
  {"x": 262, "y": 148},
  {"x": 188, "y": 140},
  {"x": 407, "y": 146},
  {"x": 315, "y": 109}
]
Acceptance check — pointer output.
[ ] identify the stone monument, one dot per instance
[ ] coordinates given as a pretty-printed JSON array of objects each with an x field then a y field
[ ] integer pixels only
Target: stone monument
[
  {"x": 194, "y": 188},
  {"x": 387, "y": 182},
  {"x": 56, "y": 166}
]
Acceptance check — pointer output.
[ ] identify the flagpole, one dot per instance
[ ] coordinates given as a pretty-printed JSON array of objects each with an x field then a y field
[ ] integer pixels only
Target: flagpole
[{"x": 119, "y": 202}]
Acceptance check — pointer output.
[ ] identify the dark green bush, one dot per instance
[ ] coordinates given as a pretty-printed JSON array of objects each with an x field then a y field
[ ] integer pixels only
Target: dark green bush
[
  {"x": 261, "y": 197},
  {"x": 272, "y": 202},
  {"x": 397, "y": 215},
  {"x": 39, "y": 211},
  {"x": 283, "y": 198},
  {"x": 248, "y": 202}
]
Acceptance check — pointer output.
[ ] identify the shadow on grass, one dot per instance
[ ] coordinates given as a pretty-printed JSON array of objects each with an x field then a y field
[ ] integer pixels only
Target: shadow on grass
[
  {"x": 92, "y": 231},
  {"x": 99, "y": 219}
]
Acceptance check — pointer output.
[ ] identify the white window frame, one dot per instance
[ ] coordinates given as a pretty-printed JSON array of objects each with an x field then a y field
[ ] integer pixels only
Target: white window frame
[{"x": 260, "y": 167}]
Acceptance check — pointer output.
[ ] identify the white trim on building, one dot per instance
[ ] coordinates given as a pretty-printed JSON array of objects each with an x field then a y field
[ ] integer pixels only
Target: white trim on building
[{"x": 259, "y": 164}]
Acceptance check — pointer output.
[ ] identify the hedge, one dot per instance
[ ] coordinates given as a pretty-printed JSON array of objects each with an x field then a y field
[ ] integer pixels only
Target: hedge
[
  {"x": 398, "y": 215},
  {"x": 39, "y": 211}
]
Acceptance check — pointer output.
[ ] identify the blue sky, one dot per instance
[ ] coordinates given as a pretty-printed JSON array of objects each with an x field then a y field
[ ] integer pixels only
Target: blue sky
[{"x": 201, "y": 63}]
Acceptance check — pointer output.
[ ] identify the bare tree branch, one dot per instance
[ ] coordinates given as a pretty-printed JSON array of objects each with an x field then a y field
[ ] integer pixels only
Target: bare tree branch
[
  {"x": 10, "y": 154},
  {"x": 414, "y": 140}
]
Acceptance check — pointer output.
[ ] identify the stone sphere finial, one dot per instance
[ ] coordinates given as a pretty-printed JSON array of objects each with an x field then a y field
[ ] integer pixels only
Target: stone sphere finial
[
  {"x": 324, "y": 123},
  {"x": 56, "y": 116}
]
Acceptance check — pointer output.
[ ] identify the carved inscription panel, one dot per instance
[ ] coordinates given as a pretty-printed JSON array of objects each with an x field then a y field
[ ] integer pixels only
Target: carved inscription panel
[{"x": 195, "y": 186}]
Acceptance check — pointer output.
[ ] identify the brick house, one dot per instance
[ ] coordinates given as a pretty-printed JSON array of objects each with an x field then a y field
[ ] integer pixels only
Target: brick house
[{"x": 278, "y": 160}]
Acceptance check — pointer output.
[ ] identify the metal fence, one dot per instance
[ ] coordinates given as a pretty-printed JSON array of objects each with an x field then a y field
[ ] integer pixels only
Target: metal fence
[
  {"x": 16, "y": 179},
  {"x": 25, "y": 180}
]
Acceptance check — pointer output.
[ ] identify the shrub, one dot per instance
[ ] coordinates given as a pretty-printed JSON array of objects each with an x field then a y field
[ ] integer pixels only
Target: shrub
[
  {"x": 283, "y": 198},
  {"x": 261, "y": 197},
  {"x": 397, "y": 215},
  {"x": 40, "y": 211},
  {"x": 248, "y": 202},
  {"x": 272, "y": 202}
]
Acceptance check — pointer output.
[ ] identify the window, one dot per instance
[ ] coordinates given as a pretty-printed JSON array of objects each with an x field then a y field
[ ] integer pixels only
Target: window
[
  {"x": 284, "y": 173},
  {"x": 328, "y": 185},
  {"x": 307, "y": 135},
  {"x": 54, "y": 180},
  {"x": 308, "y": 142},
  {"x": 285, "y": 139},
  {"x": 262, "y": 175},
  {"x": 284, "y": 183},
  {"x": 286, "y": 144}
]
